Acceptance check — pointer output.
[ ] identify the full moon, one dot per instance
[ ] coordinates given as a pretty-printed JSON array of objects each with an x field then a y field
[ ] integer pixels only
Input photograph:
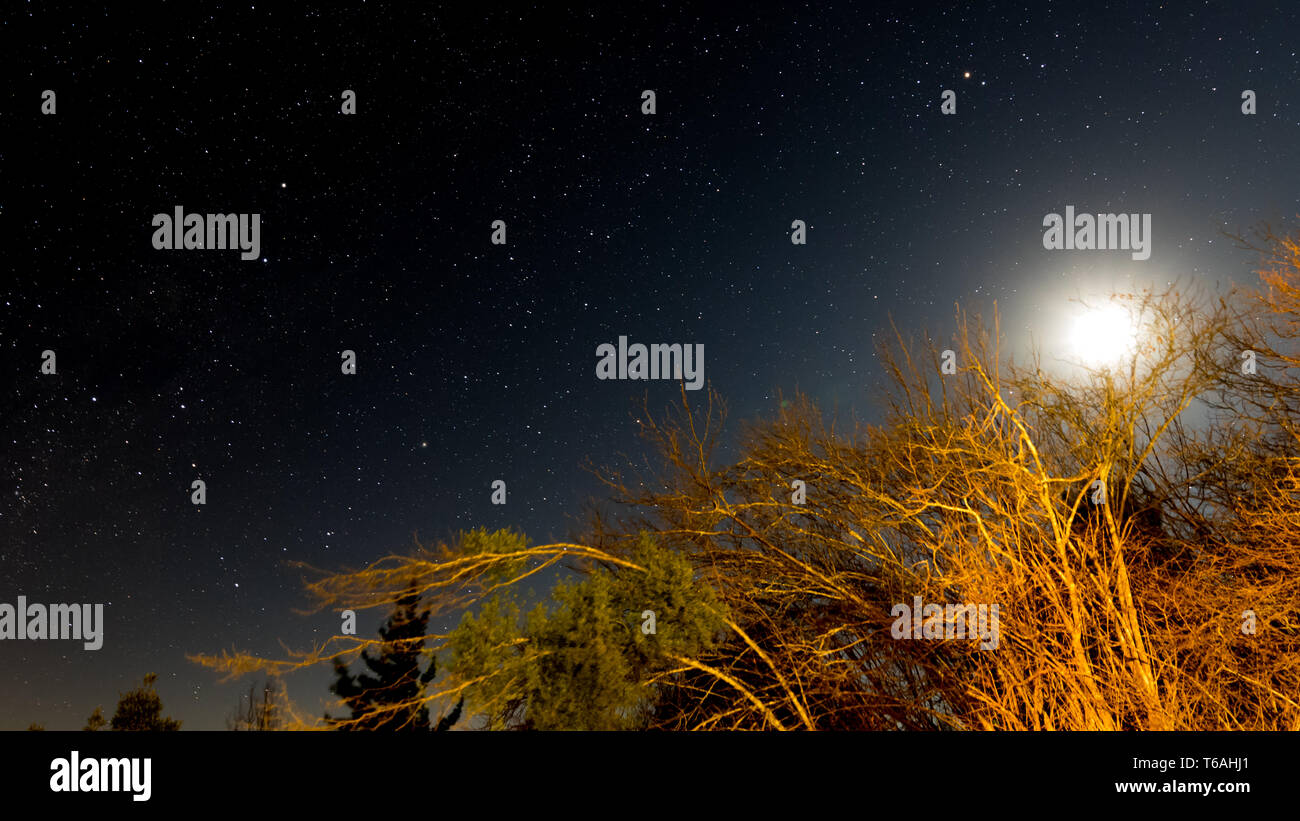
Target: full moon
[{"x": 1103, "y": 335}]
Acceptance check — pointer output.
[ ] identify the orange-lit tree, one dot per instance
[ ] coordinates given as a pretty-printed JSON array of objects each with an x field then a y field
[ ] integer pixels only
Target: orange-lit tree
[{"x": 1136, "y": 526}]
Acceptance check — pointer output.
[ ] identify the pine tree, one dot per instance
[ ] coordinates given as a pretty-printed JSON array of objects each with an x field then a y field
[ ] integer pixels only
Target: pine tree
[{"x": 390, "y": 696}]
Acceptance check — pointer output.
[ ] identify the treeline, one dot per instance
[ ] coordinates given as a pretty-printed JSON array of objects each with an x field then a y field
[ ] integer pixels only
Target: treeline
[{"x": 141, "y": 710}]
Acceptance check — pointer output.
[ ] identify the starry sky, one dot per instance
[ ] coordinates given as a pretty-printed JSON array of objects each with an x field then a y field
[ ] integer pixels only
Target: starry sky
[{"x": 475, "y": 361}]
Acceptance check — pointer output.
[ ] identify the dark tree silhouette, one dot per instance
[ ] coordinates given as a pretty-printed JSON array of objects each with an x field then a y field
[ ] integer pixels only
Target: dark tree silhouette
[
  {"x": 390, "y": 696},
  {"x": 141, "y": 710}
]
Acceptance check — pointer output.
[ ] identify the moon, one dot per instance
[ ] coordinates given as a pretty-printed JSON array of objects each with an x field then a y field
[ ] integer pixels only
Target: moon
[{"x": 1104, "y": 335}]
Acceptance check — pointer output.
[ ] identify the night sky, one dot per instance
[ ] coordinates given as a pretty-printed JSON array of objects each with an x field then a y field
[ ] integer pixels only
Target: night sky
[{"x": 476, "y": 361}]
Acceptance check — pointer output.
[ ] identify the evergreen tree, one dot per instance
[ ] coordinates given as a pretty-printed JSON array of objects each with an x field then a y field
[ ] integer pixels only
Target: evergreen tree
[
  {"x": 590, "y": 658},
  {"x": 141, "y": 710},
  {"x": 390, "y": 696}
]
